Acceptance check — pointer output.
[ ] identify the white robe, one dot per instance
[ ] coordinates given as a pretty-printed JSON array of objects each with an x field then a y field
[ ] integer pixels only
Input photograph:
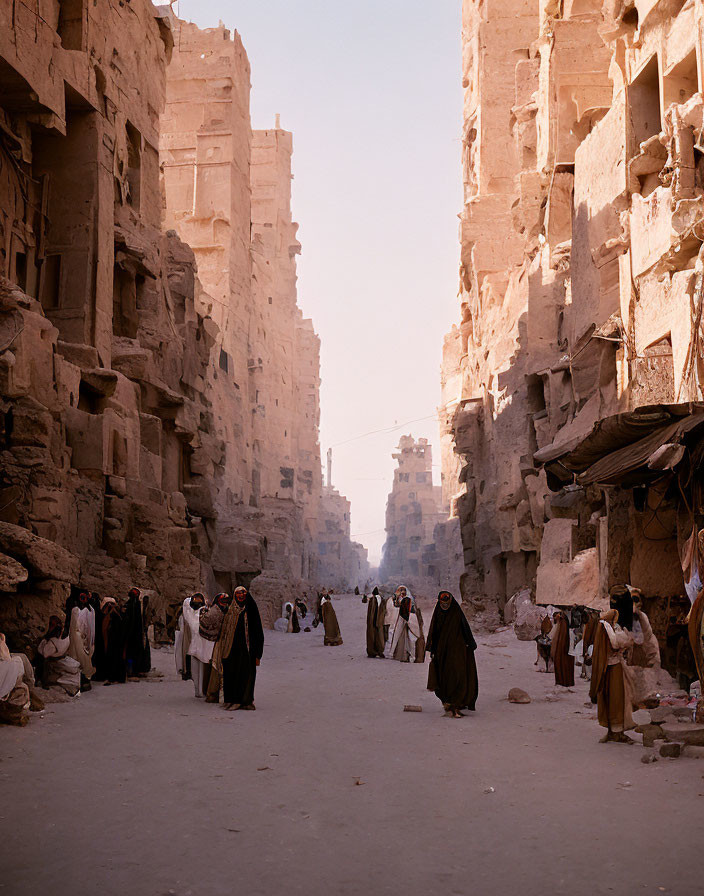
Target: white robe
[
  {"x": 11, "y": 674},
  {"x": 62, "y": 669},
  {"x": 199, "y": 648},
  {"x": 82, "y": 638},
  {"x": 406, "y": 633}
]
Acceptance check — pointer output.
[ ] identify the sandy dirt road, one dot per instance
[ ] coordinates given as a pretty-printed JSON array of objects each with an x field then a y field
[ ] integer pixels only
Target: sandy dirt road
[{"x": 331, "y": 788}]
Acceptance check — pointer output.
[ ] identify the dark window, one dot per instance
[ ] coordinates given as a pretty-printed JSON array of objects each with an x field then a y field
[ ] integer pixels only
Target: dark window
[
  {"x": 644, "y": 100},
  {"x": 51, "y": 282},
  {"x": 134, "y": 164},
  {"x": 224, "y": 360},
  {"x": 70, "y": 27}
]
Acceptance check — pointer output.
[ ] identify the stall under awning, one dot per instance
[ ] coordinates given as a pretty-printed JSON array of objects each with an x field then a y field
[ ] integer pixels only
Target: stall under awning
[{"x": 619, "y": 447}]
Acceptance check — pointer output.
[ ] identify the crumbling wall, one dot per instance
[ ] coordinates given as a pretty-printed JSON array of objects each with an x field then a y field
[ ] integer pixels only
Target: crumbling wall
[
  {"x": 579, "y": 294},
  {"x": 228, "y": 192},
  {"x": 128, "y": 443},
  {"x": 342, "y": 564}
]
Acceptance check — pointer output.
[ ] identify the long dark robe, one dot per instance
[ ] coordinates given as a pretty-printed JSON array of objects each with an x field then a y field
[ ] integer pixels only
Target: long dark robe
[
  {"x": 608, "y": 687},
  {"x": 239, "y": 668},
  {"x": 332, "y": 638},
  {"x": 138, "y": 654},
  {"x": 564, "y": 663},
  {"x": 453, "y": 669},
  {"x": 110, "y": 646},
  {"x": 375, "y": 627}
]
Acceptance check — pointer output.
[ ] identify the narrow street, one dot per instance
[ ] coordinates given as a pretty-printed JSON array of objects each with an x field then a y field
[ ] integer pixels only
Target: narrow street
[{"x": 331, "y": 787}]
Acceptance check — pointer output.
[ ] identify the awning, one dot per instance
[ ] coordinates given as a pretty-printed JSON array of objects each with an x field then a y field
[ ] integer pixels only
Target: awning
[{"x": 620, "y": 445}]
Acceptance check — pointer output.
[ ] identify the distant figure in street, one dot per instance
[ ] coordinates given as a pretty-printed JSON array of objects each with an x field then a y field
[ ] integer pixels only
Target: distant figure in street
[
  {"x": 302, "y": 607},
  {"x": 390, "y": 613},
  {"x": 609, "y": 688},
  {"x": 318, "y": 616},
  {"x": 332, "y": 638},
  {"x": 453, "y": 669},
  {"x": 110, "y": 642},
  {"x": 238, "y": 651},
  {"x": 139, "y": 655},
  {"x": 408, "y": 641},
  {"x": 210, "y": 623},
  {"x": 376, "y": 614},
  {"x": 356, "y": 590},
  {"x": 560, "y": 651},
  {"x": 590, "y": 629},
  {"x": 542, "y": 641}
]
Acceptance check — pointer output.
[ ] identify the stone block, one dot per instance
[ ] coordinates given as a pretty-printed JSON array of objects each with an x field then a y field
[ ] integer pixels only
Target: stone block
[{"x": 685, "y": 732}]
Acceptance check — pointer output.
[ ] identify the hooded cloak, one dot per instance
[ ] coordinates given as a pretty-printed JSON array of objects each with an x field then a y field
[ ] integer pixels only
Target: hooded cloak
[
  {"x": 333, "y": 637},
  {"x": 453, "y": 669},
  {"x": 559, "y": 650},
  {"x": 237, "y": 652},
  {"x": 376, "y": 614}
]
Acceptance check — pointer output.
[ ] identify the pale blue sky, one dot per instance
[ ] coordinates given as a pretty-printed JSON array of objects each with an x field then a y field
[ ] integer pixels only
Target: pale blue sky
[{"x": 371, "y": 90}]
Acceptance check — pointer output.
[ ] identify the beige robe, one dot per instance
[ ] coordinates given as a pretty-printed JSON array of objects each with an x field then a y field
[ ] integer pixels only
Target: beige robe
[{"x": 616, "y": 700}]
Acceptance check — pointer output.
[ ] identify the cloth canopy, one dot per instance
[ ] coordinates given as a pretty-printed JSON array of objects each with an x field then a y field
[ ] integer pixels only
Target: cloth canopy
[{"x": 619, "y": 448}]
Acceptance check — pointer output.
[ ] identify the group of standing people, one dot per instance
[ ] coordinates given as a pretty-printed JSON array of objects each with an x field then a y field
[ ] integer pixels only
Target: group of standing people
[
  {"x": 618, "y": 648},
  {"x": 219, "y": 645},
  {"x": 453, "y": 670},
  {"x": 397, "y": 619},
  {"x": 98, "y": 640}
]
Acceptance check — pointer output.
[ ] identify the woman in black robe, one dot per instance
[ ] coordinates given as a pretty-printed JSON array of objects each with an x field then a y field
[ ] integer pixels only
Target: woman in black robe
[
  {"x": 139, "y": 656},
  {"x": 239, "y": 650},
  {"x": 110, "y": 642},
  {"x": 451, "y": 644}
]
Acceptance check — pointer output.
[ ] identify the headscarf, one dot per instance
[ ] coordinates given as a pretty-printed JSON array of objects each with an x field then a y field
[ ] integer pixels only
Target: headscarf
[
  {"x": 223, "y": 601},
  {"x": 375, "y": 590},
  {"x": 405, "y": 611},
  {"x": 621, "y": 600},
  {"x": 107, "y": 603},
  {"x": 210, "y": 620},
  {"x": 197, "y": 600},
  {"x": 241, "y": 595},
  {"x": 445, "y": 600},
  {"x": 54, "y": 629},
  {"x": 134, "y": 592}
]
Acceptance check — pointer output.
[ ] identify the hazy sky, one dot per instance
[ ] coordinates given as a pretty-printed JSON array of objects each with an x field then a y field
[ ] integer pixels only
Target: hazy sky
[{"x": 371, "y": 90}]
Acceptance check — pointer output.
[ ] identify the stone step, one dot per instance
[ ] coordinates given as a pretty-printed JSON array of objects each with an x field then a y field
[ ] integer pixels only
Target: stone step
[{"x": 684, "y": 732}]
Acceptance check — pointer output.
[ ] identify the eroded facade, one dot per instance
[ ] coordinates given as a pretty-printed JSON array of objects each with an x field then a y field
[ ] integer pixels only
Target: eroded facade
[
  {"x": 158, "y": 383},
  {"x": 581, "y": 292}
]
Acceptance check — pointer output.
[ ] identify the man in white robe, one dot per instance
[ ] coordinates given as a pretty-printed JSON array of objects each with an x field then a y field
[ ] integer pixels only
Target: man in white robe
[
  {"x": 408, "y": 629},
  {"x": 81, "y": 635},
  {"x": 58, "y": 668},
  {"x": 198, "y": 648}
]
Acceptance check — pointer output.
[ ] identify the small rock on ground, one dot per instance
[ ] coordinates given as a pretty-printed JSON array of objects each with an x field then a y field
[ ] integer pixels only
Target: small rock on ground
[{"x": 517, "y": 695}]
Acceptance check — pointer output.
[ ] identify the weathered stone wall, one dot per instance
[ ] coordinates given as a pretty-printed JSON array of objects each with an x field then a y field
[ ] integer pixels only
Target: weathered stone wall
[
  {"x": 228, "y": 192},
  {"x": 580, "y": 234},
  {"x": 159, "y": 421},
  {"x": 342, "y": 564}
]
